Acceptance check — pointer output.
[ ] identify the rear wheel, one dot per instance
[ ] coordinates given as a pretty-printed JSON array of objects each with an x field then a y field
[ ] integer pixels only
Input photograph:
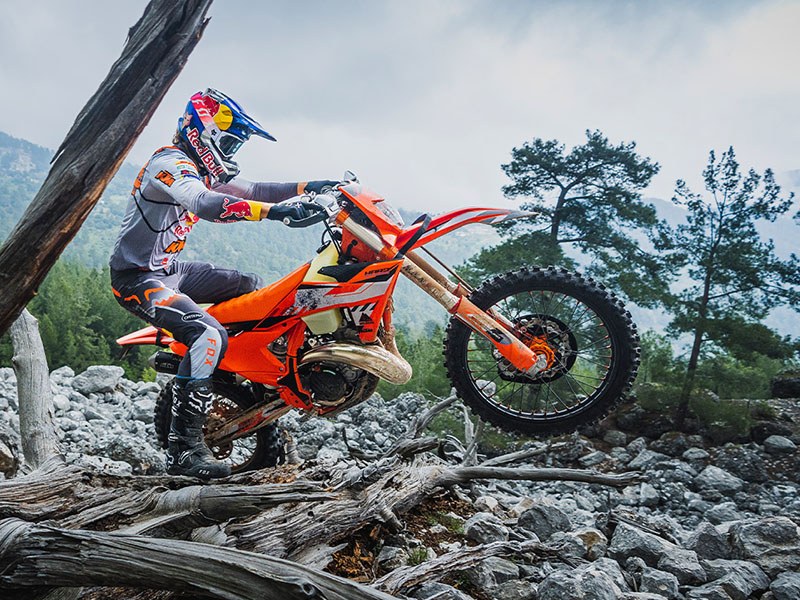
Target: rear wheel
[
  {"x": 587, "y": 335},
  {"x": 264, "y": 448}
]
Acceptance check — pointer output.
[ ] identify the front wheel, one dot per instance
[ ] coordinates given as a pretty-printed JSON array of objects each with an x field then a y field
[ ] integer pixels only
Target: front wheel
[
  {"x": 264, "y": 448},
  {"x": 592, "y": 352}
]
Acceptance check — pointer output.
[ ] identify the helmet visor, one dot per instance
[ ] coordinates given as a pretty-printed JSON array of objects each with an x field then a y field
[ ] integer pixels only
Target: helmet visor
[{"x": 228, "y": 144}]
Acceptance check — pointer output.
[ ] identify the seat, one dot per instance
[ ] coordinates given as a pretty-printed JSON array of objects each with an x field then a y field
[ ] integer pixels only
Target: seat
[{"x": 256, "y": 305}]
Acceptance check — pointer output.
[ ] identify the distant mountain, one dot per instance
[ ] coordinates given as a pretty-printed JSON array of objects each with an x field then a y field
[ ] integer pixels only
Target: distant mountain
[
  {"x": 266, "y": 248},
  {"x": 272, "y": 250}
]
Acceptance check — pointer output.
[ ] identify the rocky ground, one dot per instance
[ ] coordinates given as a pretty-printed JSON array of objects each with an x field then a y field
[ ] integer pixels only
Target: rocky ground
[{"x": 715, "y": 522}]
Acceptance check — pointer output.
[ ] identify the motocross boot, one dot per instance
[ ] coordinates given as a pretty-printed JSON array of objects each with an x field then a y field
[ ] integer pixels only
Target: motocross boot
[{"x": 187, "y": 453}]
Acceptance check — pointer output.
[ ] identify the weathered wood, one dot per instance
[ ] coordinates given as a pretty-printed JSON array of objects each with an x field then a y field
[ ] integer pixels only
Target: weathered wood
[
  {"x": 420, "y": 422},
  {"x": 404, "y": 578},
  {"x": 34, "y": 396},
  {"x": 35, "y": 555},
  {"x": 105, "y": 130},
  {"x": 519, "y": 455},
  {"x": 460, "y": 475},
  {"x": 381, "y": 493}
]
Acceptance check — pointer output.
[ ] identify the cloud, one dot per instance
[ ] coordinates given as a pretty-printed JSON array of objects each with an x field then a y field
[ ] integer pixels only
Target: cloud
[{"x": 426, "y": 99}]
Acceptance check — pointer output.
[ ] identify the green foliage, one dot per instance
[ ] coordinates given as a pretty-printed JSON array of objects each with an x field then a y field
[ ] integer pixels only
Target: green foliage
[
  {"x": 736, "y": 276},
  {"x": 417, "y": 556},
  {"x": 424, "y": 353},
  {"x": 723, "y": 418},
  {"x": 589, "y": 200},
  {"x": 79, "y": 321},
  {"x": 452, "y": 524}
]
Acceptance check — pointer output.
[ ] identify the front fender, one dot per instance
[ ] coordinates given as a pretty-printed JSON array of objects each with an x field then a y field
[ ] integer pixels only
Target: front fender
[{"x": 447, "y": 222}]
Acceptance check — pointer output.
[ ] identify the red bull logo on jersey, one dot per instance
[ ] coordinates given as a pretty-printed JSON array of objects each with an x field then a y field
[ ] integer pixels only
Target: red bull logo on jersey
[
  {"x": 204, "y": 153},
  {"x": 240, "y": 209}
]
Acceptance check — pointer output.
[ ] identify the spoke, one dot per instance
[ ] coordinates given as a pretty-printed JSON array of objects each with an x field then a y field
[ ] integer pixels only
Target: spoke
[
  {"x": 560, "y": 401},
  {"x": 581, "y": 384}
]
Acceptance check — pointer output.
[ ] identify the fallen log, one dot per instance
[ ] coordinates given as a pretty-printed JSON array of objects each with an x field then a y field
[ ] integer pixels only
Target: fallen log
[{"x": 37, "y": 556}]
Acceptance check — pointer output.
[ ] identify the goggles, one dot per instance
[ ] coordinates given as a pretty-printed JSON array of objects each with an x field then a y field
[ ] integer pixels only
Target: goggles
[{"x": 229, "y": 143}]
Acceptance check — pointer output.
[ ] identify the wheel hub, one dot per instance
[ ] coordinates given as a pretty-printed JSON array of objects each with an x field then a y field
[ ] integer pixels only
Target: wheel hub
[{"x": 550, "y": 339}]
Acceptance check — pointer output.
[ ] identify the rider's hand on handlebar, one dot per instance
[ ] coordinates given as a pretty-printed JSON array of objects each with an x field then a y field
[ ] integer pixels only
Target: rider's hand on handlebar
[
  {"x": 317, "y": 186},
  {"x": 295, "y": 211}
]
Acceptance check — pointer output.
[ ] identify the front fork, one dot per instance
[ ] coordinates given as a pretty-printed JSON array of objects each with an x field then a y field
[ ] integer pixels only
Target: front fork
[{"x": 491, "y": 325}]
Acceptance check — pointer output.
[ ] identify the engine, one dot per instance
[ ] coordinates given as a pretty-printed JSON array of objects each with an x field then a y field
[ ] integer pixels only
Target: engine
[{"x": 331, "y": 383}]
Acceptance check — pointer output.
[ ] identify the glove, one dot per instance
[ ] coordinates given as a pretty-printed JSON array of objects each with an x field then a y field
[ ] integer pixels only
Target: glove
[
  {"x": 316, "y": 186},
  {"x": 296, "y": 211}
]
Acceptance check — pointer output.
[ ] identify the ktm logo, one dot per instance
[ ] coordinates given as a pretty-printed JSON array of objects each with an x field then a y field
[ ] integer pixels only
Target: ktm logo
[
  {"x": 175, "y": 247},
  {"x": 166, "y": 178}
]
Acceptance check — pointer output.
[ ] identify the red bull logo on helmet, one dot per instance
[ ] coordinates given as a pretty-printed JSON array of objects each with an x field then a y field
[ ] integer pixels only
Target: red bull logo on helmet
[{"x": 204, "y": 153}]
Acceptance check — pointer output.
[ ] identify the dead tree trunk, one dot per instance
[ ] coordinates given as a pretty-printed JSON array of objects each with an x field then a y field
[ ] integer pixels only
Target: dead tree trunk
[
  {"x": 39, "y": 441},
  {"x": 105, "y": 130}
]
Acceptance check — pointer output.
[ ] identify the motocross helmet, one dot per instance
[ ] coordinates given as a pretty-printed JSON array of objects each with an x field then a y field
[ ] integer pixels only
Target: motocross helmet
[{"x": 213, "y": 128}]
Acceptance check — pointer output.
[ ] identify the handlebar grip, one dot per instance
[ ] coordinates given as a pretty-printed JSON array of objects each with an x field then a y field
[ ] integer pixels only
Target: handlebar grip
[{"x": 312, "y": 220}]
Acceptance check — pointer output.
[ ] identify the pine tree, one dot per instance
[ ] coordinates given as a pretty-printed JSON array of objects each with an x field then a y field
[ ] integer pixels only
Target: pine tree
[
  {"x": 737, "y": 277},
  {"x": 589, "y": 200}
]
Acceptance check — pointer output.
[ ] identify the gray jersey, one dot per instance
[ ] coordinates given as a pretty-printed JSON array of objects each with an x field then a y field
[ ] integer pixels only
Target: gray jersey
[{"x": 169, "y": 197}]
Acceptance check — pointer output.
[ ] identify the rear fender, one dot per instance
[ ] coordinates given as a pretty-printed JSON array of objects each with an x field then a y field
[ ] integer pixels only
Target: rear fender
[
  {"x": 149, "y": 336},
  {"x": 444, "y": 224}
]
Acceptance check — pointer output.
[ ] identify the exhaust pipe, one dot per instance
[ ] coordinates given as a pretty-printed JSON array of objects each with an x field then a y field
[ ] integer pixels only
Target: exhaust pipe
[{"x": 374, "y": 359}]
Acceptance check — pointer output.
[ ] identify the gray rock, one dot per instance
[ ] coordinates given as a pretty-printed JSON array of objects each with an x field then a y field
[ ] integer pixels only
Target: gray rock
[
  {"x": 777, "y": 444},
  {"x": 714, "y": 478},
  {"x": 98, "y": 378},
  {"x": 615, "y": 438},
  {"x": 743, "y": 462},
  {"x": 62, "y": 375},
  {"x": 773, "y": 543},
  {"x": 103, "y": 464},
  {"x": 439, "y": 591},
  {"x": 492, "y": 572},
  {"x": 143, "y": 410},
  {"x": 151, "y": 388},
  {"x": 486, "y": 504},
  {"x": 684, "y": 565},
  {"x": 587, "y": 582},
  {"x": 648, "y": 495},
  {"x": 709, "y": 591},
  {"x": 544, "y": 520},
  {"x": 659, "y": 582},
  {"x": 786, "y": 586},
  {"x": 568, "y": 544},
  {"x": 485, "y": 527},
  {"x": 695, "y": 454},
  {"x": 723, "y": 513},
  {"x": 594, "y": 541},
  {"x": 61, "y": 403},
  {"x": 672, "y": 443},
  {"x": 391, "y": 557},
  {"x": 646, "y": 459},
  {"x": 629, "y": 541},
  {"x": 641, "y": 596},
  {"x": 708, "y": 542},
  {"x": 740, "y": 579},
  {"x": 593, "y": 459},
  {"x": 517, "y": 589}
]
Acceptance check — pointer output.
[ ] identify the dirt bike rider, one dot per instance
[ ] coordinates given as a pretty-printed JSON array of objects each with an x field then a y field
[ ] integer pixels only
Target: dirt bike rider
[{"x": 180, "y": 184}]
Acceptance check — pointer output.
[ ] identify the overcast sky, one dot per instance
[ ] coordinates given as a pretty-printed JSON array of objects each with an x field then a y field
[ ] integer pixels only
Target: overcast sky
[{"x": 424, "y": 99}]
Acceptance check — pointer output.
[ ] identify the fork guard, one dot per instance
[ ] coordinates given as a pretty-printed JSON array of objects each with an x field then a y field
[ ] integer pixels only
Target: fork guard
[{"x": 374, "y": 359}]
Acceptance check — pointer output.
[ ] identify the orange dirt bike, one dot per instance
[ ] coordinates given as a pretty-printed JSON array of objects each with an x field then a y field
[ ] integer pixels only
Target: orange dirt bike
[{"x": 537, "y": 351}]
